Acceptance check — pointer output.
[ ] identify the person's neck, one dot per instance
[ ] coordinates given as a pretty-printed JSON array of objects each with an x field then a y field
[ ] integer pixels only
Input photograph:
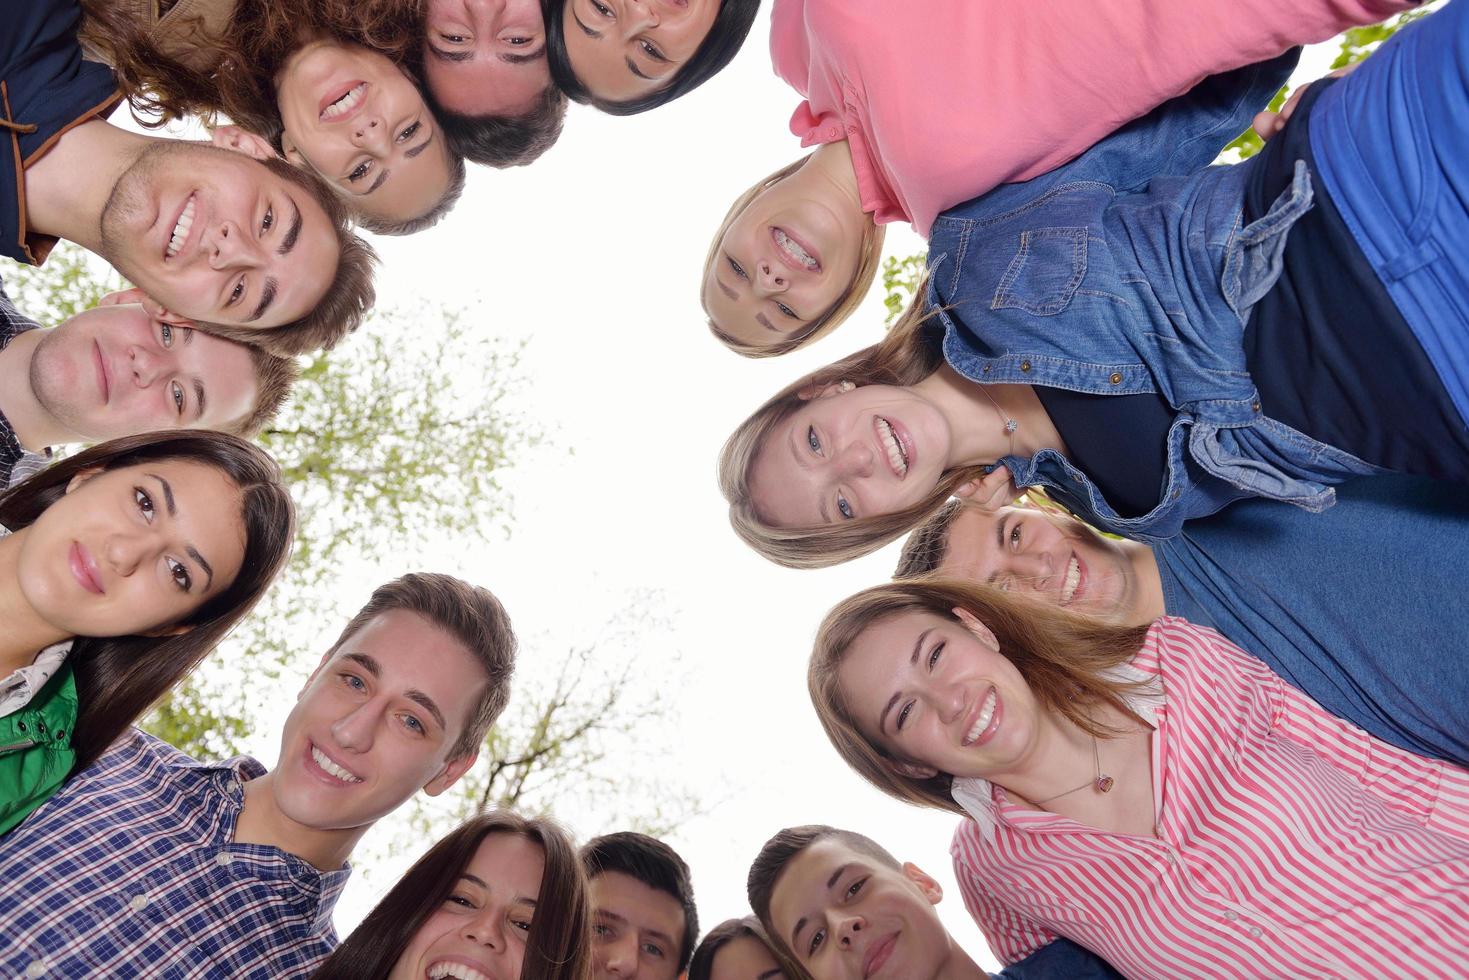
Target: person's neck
[
  {"x": 35, "y": 428},
  {"x": 978, "y": 422},
  {"x": 26, "y": 633},
  {"x": 831, "y": 166},
  {"x": 1148, "y": 604},
  {"x": 960, "y": 966},
  {"x": 262, "y": 822},
  {"x": 67, "y": 189}
]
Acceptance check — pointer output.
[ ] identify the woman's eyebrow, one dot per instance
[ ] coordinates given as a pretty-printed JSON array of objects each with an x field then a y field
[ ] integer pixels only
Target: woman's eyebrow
[
  {"x": 451, "y": 55},
  {"x": 173, "y": 511}
]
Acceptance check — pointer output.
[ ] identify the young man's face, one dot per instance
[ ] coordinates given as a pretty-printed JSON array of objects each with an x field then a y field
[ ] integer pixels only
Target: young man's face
[
  {"x": 114, "y": 371},
  {"x": 846, "y": 915},
  {"x": 1035, "y": 553},
  {"x": 376, "y": 722},
  {"x": 216, "y": 236},
  {"x": 637, "y": 931}
]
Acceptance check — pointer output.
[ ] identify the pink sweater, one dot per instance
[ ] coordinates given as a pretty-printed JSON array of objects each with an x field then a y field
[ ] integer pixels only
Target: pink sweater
[{"x": 943, "y": 100}]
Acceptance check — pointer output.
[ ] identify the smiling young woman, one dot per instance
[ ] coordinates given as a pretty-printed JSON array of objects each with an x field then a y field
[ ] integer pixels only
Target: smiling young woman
[
  {"x": 1099, "y": 768},
  {"x": 502, "y": 894},
  {"x": 124, "y": 566}
]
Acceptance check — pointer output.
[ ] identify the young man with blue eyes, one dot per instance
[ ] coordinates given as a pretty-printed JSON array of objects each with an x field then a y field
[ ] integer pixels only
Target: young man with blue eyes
[
  {"x": 149, "y": 862},
  {"x": 253, "y": 246},
  {"x": 644, "y": 922},
  {"x": 844, "y": 907},
  {"x": 118, "y": 370}
]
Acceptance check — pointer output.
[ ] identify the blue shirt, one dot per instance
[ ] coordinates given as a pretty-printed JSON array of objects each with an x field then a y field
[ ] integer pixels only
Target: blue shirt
[
  {"x": 131, "y": 870},
  {"x": 1362, "y": 606},
  {"x": 1127, "y": 272},
  {"x": 45, "y": 89}
]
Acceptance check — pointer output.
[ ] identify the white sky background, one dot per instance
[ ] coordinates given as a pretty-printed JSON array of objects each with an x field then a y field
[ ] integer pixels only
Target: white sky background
[{"x": 593, "y": 256}]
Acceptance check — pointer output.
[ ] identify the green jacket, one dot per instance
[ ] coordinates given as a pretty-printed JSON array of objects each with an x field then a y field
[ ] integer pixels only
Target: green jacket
[{"x": 35, "y": 748}]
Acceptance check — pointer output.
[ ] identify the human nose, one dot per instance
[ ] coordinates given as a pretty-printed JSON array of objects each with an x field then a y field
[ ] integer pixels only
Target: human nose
[
  {"x": 855, "y": 459},
  {"x": 621, "y": 957},
  {"x": 770, "y": 279},
  {"x": 849, "y": 930},
  {"x": 638, "y": 16},
  {"x": 487, "y": 928},
  {"x": 145, "y": 365},
  {"x": 125, "y": 551},
  {"x": 354, "y": 731},
  {"x": 233, "y": 247},
  {"x": 370, "y": 133}
]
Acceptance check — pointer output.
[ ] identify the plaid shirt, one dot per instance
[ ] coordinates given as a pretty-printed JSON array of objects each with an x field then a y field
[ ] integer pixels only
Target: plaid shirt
[
  {"x": 131, "y": 871},
  {"x": 12, "y": 323}
]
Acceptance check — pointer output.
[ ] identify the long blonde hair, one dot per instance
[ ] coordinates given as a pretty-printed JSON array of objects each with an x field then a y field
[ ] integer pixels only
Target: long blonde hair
[
  {"x": 902, "y": 359},
  {"x": 1062, "y": 656},
  {"x": 846, "y": 304}
]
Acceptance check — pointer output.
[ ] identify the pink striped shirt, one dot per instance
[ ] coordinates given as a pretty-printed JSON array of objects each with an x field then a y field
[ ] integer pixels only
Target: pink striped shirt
[
  {"x": 943, "y": 100},
  {"x": 1290, "y": 843}
]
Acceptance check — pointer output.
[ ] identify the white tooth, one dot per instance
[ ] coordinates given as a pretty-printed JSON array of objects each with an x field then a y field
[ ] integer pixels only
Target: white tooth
[
  {"x": 794, "y": 249},
  {"x": 346, "y": 103},
  {"x": 983, "y": 721},
  {"x": 1073, "y": 579},
  {"x": 331, "y": 767},
  {"x": 181, "y": 229},
  {"x": 894, "y": 449}
]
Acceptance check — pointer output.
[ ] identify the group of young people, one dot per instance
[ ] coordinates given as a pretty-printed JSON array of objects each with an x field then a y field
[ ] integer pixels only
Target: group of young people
[{"x": 1227, "y": 735}]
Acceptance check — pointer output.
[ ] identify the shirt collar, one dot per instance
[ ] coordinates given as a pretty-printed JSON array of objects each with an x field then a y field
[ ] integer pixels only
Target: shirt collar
[
  {"x": 976, "y": 796},
  {"x": 24, "y": 683}
]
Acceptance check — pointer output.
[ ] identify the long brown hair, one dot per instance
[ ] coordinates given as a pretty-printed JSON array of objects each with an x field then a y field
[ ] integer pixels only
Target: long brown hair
[
  {"x": 845, "y": 305},
  {"x": 701, "y": 967},
  {"x": 1062, "y": 656},
  {"x": 558, "y": 945},
  {"x": 119, "y": 678},
  {"x": 234, "y": 75},
  {"x": 903, "y": 358}
]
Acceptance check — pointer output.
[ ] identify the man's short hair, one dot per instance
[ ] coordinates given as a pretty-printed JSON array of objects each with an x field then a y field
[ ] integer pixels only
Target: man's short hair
[
  {"x": 784, "y": 847},
  {"x": 346, "y": 300},
  {"x": 655, "y": 864},
  {"x": 504, "y": 141},
  {"x": 926, "y": 547},
  {"x": 411, "y": 226},
  {"x": 473, "y": 617},
  {"x": 275, "y": 376}
]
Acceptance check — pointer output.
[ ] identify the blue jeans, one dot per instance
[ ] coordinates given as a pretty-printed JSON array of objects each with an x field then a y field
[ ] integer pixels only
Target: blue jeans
[{"x": 1392, "y": 146}]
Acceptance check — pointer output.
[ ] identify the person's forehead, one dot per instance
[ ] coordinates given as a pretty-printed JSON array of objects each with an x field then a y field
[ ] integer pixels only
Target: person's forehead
[
  {"x": 509, "y": 865},
  {"x": 802, "y": 888},
  {"x": 304, "y": 274},
  {"x": 410, "y": 650},
  {"x": 785, "y": 493},
  {"x": 225, "y": 369},
  {"x": 416, "y": 184},
  {"x": 641, "y": 906}
]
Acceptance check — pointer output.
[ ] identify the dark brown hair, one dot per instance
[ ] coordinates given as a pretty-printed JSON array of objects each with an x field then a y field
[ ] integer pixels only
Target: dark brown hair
[
  {"x": 785, "y": 847},
  {"x": 504, "y": 141},
  {"x": 473, "y": 617},
  {"x": 1064, "y": 658},
  {"x": 119, "y": 678},
  {"x": 347, "y": 298},
  {"x": 558, "y": 945},
  {"x": 926, "y": 547},
  {"x": 655, "y": 864},
  {"x": 275, "y": 376},
  {"x": 701, "y": 967}
]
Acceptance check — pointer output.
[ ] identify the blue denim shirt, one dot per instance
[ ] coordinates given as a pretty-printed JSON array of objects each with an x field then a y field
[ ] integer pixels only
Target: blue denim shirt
[{"x": 1127, "y": 271}]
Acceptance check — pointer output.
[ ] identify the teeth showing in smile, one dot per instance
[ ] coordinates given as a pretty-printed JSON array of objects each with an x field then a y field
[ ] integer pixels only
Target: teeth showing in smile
[
  {"x": 345, "y": 104},
  {"x": 794, "y": 250},
  {"x": 893, "y": 447},
  {"x": 986, "y": 712},
  {"x": 333, "y": 769},
  {"x": 1073, "y": 579},
  {"x": 181, "y": 229},
  {"x": 458, "y": 970}
]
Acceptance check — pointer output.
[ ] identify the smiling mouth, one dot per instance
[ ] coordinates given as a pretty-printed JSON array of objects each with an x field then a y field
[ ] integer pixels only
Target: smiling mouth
[
  {"x": 103, "y": 384},
  {"x": 180, "y": 234},
  {"x": 878, "y": 953},
  {"x": 1073, "y": 579},
  {"x": 983, "y": 720},
  {"x": 793, "y": 252},
  {"x": 326, "y": 765},
  {"x": 459, "y": 971},
  {"x": 893, "y": 447},
  {"x": 344, "y": 104}
]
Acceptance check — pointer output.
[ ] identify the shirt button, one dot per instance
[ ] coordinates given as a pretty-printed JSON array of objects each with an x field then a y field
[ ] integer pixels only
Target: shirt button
[
  {"x": 1232, "y": 915},
  {"x": 138, "y": 902},
  {"x": 1116, "y": 378},
  {"x": 1025, "y": 365},
  {"x": 1255, "y": 405},
  {"x": 37, "y": 968},
  {"x": 223, "y": 860},
  {"x": 1255, "y": 931}
]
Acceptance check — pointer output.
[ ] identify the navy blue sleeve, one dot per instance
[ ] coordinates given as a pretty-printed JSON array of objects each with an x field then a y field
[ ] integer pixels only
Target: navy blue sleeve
[{"x": 1060, "y": 959}]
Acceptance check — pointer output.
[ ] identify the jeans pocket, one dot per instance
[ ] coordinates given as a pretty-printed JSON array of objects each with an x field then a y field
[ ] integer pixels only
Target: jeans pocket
[{"x": 1045, "y": 272}]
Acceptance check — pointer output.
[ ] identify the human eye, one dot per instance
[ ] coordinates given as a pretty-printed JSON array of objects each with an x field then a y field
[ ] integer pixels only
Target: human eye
[
  {"x": 521, "y": 922},
  {"x": 238, "y": 293},
  {"x": 354, "y": 682},
  {"x": 460, "y": 899},
  {"x": 601, "y": 8},
  {"x": 409, "y": 132},
  {"x": 903, "y": 714},
  {"x": 519, "y": 41},
  {"x": 358, "y": 172},
  {"x": 165, "y": 333},
  {"x": 413, "y": 725},
  {"x": 813, "y": 440},
  {"x": 933, "y": 657},
  {"x": 144, "y": 503},
  {"x": 1015, "y": 537},
  {"x": 180, "y": 574},
  {"x": 267, "y": 222},
  {"x": 855, "y": 887},
  {"x": 601, "y": 930},
  {"x": 738, "y": 269},
  {"x": 652, "y": 949},
  {"x": 651, "y": 50},
  {"x": 787, "y": 311},
  {"x": 178, "y": 397},
  {"x": 844, "y": 508},
  {"x": 817, "y": 938},
  {"x": 455, "y": 38}
]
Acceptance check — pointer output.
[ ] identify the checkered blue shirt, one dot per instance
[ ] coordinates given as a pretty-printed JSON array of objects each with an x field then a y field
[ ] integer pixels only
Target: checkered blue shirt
[{"x": 131, "y": 871}]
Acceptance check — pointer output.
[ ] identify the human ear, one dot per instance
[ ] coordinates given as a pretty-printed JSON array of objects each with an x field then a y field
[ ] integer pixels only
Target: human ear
[
  {"x": 915, "y": 771},
  {"x": 989, "y": 492},
  {"x": 82, "y": 476},
  {"x": 449, "y": 775},
  {"x": 981, "y": 632},
  {"x": 292, "y": 152},
  {"x": 931, "y": 889},
  {"x": 250, "y": 144}
]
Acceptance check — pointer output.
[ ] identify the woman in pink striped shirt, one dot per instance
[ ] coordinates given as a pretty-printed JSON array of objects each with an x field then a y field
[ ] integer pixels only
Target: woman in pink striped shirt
[
  {"x": 917, "y": 107},
  {"x": 1153, "y": 793}
]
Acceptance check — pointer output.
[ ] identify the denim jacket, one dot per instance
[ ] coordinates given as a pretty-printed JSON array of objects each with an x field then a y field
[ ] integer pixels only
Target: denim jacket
[{"x": 1127, "y": 271}]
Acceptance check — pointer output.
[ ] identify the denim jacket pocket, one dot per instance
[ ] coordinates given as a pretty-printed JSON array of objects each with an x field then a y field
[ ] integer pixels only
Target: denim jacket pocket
[{"x": 1045, "y": 272}]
